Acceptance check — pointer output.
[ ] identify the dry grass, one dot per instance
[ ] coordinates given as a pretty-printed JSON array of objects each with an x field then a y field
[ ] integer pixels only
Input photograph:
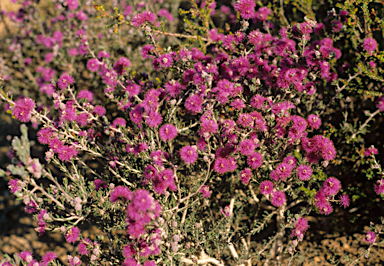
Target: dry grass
[{"x": 7, "y": 6}]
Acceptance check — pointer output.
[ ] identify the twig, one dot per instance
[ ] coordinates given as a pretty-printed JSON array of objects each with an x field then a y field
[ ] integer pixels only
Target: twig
[{"x": 365, "y": 124}]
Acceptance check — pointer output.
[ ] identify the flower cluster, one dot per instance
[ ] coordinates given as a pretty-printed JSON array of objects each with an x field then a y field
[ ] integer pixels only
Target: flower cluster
[{"x": 238, "y": 114}]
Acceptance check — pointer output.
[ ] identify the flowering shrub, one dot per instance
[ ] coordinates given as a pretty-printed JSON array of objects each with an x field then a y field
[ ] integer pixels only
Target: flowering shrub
[{"x": 221, "y": 128}]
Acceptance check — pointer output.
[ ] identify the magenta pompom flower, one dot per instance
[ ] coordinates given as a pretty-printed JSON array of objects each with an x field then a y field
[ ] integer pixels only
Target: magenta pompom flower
[
  {"x": 140, "y": 19},
  {"x": 84, "y": 244},
  {"x": 64, "y": 81},
  {"x": 72, "y": 235},
  {"x": 66, "y": 153},
  {"x": 165, "y": 61},
  {"x": 221, "y": 165},
  {"x": 246, "y": 8},
  {"x": 168, "y": 132},
  {"x": 246, "y": 175},
  {"x": 26, "y": 256},
  {"x": 74, "y": 261},
  {"x": 379, "y": 187},
  {"x": 314, "y": 121},
  {"x": 14, "y": 185},
  {"x": 44, "y": 135},
  {"x": 263, "y": 13},
  {"x": 278, "y": 198},
  {"x": 93, "y": 65},
  {"x": 85, "y": 94},
  {"x": 100, "y": 110},
  {"x": 99, "y": 184},
  {"x": 301, "y": 226},
  {"x": 380, "y": 103},
  {"x": 266, "y": 187},
  {"x": 188, "y": 154},
  {"x": 48, "y": 257},
  {"x": 370, "y": 44},
  {"x": 344, "y": 201},
  {"x": 120, "y": 193},
  {"x": 121, "y": 64},
  {"x": 370, "y": 237},
  {"x": 304, "y": 172},
  {"x": 371, "y": 151},
  {"x": 255, "y": 160},
  {"x": 194, "y": 104},
  {"x": 154, "y": 119},
  {"x": 331, "y": 186},
  {"x": 206, "y": 192},
  {"x": 246, "y": 147},
  {"x": 23, "y": 109},
  {"x": 72, "y": 4}
]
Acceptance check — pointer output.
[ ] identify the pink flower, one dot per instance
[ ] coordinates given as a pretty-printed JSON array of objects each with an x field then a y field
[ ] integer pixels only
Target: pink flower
[
  {"x": 370, "y": 237},
  {"x": 130, "y": 262},
  {"x": 23, "y": 109},
  {"x": 226, "y": 211},
  {"x": 142, "y": 200},
  {"x": 140, "y": 19},
  {"x": 72, "y": 4},
  {"x": 13, "y": 184},
  {"x": 99, "y": 184},
  {"x": 146, "y": 50},
  {"x": 263, "y": 13},
  {"x": 154, "y": 119},
  {"x": 255, "y": 160},
  {"x": 379, "y": 187},
  {"x": 82, "y": 248},
  {"x": 194, "y": 104},
  {"x": 257, "y": 101},
  {"x": 120, "y": 65},
  {"x": 120, "y": 193},
  {"x": 371, "y": 151},
  {"x": 331, "y": 186},
  {"x": 246, "y": 175},
  {"x": 206, "y": 192},
  {"x": 44, "y": 135},
  {"x": 221, "y": 165},
  {"x": 64, "y": 81},
  {"x": 93, "y": 65},
  {"x": 103, "y": 54},
  {"x": 82, "y": 119},
  {"x": 278, "y": 198},
  {"x": 72, "y": 235},
  {"x": 370, "y": 44},
  {"x": 188, "y": 154},
  {"x": 85, "y": 94},
  {"x": 100, "y": 110},
  {"x": 266, "y": 187},
  {"x": 26, "y": 256},
  {"x": 119, "y": 122},
  {"x": 304, "y": 172},
  {"x": 344, "y": 201},
  {"x": 163, "y": 181},
  {"x": 74, "y": 261},
  {"x": 48, "y": 257},
  {"x": 173, "y": 88},
  {"x": 165, "y": 61},
  {"x": 301, "y": 226},
  {"x": 246, "y": 147},
  {"x": 314, "y": 121},
  {"x": 380, "y": 103},
  {"x": 133, "y": 89},
  {"x": 168, "y": 132},
  {"x": 67, "y": 153},
  {"x": 56, "y": 145},
  {"x": 246, "y": 8}
]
